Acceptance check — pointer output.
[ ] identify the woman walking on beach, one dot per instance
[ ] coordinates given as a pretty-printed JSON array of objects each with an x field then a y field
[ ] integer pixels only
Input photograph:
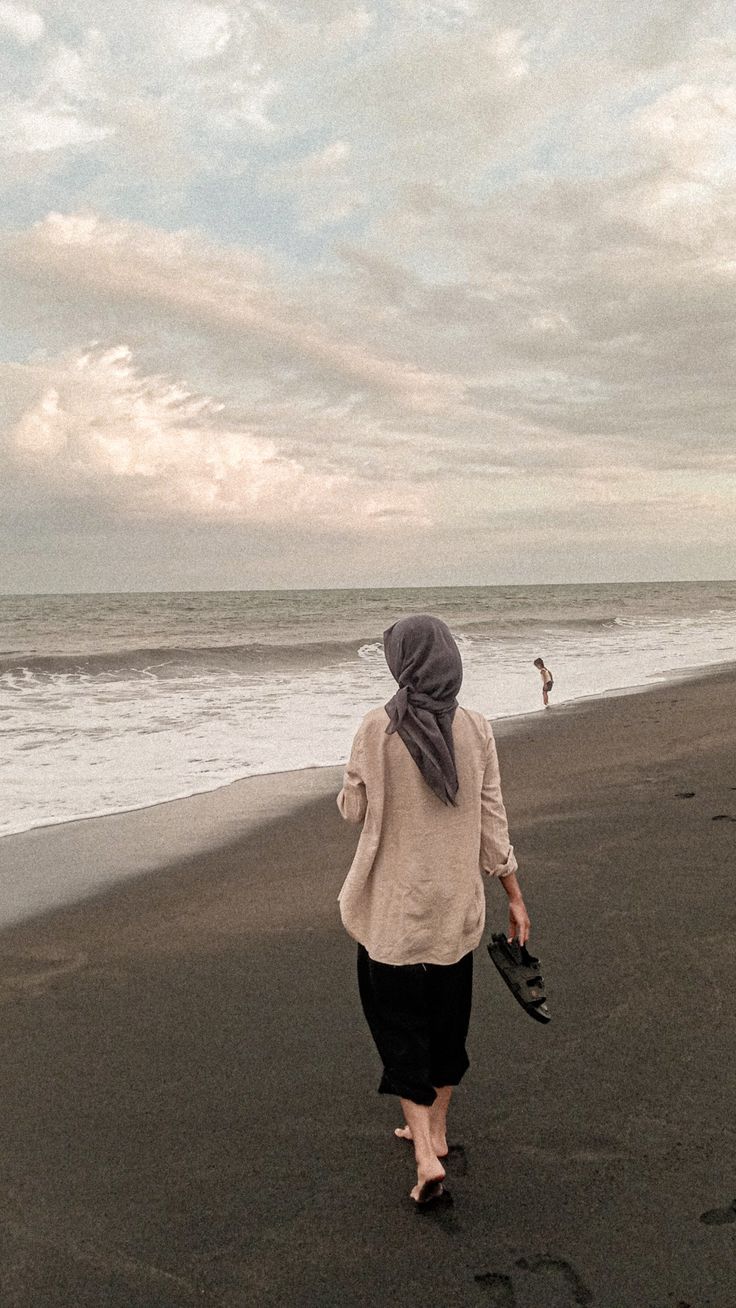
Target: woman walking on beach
[{"x": 423, "y": 779}]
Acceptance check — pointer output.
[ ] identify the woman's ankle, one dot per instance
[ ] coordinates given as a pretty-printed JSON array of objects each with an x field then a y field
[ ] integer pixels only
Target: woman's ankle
[{"x": 430, "y": 1166}]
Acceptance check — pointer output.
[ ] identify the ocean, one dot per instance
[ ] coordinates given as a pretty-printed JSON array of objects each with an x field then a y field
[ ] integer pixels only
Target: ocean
[{"x": 113, "y": 702}]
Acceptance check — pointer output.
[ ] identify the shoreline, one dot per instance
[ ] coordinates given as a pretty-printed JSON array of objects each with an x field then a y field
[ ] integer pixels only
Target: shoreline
[
  {"x": 188, "y": 1085},
  {"x": 59, "y": 864},
  {"x": 99, "y": 852},
  {"x": 502, "y": 724}
]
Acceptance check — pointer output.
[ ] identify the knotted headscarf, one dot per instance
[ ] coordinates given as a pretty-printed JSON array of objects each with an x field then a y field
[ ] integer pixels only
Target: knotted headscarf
[{"x": 423, "y": 657}]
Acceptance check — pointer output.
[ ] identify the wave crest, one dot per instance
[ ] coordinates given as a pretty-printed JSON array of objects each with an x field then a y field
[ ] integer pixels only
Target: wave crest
[{"x": 167, "y": 661}]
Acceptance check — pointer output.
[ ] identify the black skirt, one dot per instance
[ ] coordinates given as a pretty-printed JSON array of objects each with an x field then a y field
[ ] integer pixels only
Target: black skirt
[{"x": 418, "y": 1015}]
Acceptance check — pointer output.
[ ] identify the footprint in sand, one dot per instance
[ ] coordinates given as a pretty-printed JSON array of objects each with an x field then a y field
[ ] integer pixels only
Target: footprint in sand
[
  {"x": 456, "y": 1160},
  {"x": 719, "y": 1216},
  {"x": 498, "y": 1289},
  {"x": 559, "y": 1275},
  {"x": 34, "y": 971}
]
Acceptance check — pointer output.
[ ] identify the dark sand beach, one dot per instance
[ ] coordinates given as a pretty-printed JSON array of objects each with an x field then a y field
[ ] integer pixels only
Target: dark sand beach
[{"x": 189, "y": 1113}]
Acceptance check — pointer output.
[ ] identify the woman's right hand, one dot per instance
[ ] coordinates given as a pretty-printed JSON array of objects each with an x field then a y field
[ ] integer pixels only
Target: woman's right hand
[{"x": 519, "y": 924}]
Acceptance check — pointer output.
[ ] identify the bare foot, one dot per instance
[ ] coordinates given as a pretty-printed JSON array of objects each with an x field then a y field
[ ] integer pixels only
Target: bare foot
[
  {"x": 439, "y": 1143},
  {"x": 429, "y": 1183}
]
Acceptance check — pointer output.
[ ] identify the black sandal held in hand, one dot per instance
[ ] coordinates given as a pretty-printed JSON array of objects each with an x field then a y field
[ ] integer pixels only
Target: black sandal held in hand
[{"x": 520, "y": 971}]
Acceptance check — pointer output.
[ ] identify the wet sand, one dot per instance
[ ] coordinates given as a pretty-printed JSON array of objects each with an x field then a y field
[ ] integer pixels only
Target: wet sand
[{"x": 188, "y": 1090}]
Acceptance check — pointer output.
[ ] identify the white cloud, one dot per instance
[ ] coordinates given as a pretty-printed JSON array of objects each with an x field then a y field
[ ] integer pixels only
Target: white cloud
[
  {"x": 441, "y": 103},
  {"x": 148, "y": 447},
  {"x": 31, "y": 129},
  {"x": 686, "y": 141},
  {"x": 186, "y": 277},
  {"x": 41, "y": 433},
  {"x": 58, "y": 103},
  {"x": 694, "y": 128},
  {"x": 383, "y": 377},
  {"x": 193, "y": 32},
  {"x": 320, "y": 183},
  {"x": 26, "y": 25},
  {"x": 475, "y": 259}
]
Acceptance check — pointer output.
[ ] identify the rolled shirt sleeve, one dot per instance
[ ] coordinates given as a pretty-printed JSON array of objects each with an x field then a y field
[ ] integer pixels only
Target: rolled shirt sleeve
[
  {"x": 497, "y": 857},
  {"x": 352, "y": 800}
]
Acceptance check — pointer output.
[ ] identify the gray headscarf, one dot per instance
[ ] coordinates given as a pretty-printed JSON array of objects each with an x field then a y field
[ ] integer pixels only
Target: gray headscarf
[{"x": 423, "y": 657}]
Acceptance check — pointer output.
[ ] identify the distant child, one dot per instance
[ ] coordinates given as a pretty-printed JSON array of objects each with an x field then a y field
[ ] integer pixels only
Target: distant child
[{"x": 547, "y": 682}]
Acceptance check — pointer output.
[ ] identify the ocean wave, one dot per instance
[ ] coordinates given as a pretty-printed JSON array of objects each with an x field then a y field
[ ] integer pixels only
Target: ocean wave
[
  {"x": 476, "y": 636},
  {"x": 167, "y": 661},
  {"x": 370, "y": 651},
  {"x": 515, "y": 628}
]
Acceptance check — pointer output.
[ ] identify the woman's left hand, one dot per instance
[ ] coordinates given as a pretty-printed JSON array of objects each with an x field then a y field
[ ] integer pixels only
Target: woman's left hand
[{"x": 519, "y": 924}]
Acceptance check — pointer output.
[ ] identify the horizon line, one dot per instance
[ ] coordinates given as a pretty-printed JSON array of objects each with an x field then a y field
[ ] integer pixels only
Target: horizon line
[{"x": 278, "y": 590}]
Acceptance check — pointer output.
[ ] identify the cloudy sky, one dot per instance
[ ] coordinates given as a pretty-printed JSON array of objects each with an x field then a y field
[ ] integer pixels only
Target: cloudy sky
[{"x": 335, "y": 292}]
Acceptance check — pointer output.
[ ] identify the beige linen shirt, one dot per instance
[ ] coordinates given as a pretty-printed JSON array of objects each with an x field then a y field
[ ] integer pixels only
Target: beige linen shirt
[{"x": 414, "y": 892}]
